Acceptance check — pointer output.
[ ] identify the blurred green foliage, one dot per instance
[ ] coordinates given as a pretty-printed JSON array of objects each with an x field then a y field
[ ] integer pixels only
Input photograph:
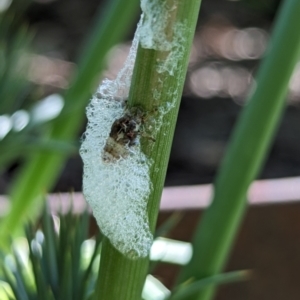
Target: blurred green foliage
[
  {"x": 17, "y": 94},
  {"x": 41, "y": 168},
  {"x": 57, "y": 262}
]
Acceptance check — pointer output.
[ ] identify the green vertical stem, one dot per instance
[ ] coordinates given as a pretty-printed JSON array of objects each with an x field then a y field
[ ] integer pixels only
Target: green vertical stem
[
  {"x": 121, "y": 278},
  {"x": 247, "y": 150},
  {"x": 40, "y": 171}
]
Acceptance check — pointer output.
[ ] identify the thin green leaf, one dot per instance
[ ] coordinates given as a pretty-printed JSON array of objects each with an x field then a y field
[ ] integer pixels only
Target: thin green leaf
[
  {"x": 169, "y": 224},
  {"x": 50, "y": 248},
  {"x": 87, "y": 284},
  {"x": 190, "y": 289},
  {"x": 66, "y": 284},
  {"x": 81, "y": 234},
  {"x": 21, "y": 276},
  {"x": 9, "y": 278},
  {"x": 163, "y": 231},
  {"x": 247, "y": 150}
]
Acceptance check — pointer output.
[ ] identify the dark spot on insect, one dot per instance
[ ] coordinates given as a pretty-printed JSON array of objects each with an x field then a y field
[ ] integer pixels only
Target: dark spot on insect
[
  {"x": 126, "y": 129},
  {"x": 124, "y": 135}
]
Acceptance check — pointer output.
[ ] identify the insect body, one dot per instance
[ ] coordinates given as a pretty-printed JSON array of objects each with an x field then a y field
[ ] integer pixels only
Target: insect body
[{"x": 124, "y": 135}]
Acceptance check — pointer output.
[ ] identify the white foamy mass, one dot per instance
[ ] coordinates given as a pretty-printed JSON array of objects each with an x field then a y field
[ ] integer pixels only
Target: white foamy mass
[{"x": 117, "y": 191}]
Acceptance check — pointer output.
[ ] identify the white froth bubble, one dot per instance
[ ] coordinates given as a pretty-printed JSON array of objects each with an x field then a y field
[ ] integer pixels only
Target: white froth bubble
[{"x": 152, "y": 33}]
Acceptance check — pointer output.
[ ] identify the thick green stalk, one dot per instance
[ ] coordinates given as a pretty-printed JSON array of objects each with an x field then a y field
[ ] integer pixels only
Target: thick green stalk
[
  {"x": 247, "y": 150},
  {"x": 120, "y": 277},
  {"x": 41, "y": 170}
]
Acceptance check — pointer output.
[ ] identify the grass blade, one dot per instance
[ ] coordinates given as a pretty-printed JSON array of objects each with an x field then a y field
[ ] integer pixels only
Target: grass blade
[
  {"x": 247, "y": 150},
  {"x": 182, "y": 292},
  {"x": 169, "y": 224}
]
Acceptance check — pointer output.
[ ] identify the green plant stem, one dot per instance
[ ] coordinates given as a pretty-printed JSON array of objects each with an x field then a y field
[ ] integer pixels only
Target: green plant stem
[
  {"x": 40, "y": 171},
  {"x": 247, "y": 150},
  {"x": 119, "y": 277}
]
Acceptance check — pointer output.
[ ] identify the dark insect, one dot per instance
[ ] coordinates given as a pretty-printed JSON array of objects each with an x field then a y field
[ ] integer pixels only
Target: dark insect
[
  {"x": 126, "y": 129},
  {"x": 123, "y": 135}
]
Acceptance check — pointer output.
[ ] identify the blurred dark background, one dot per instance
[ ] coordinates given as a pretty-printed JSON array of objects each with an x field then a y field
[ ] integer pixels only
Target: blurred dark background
[
  {"x": 230, "y": 40},
  {"x": 39, "y": 45}
]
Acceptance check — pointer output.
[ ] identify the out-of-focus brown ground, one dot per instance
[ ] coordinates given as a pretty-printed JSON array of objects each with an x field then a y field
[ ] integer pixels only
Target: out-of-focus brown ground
[{"x": 268, "y": 244}]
